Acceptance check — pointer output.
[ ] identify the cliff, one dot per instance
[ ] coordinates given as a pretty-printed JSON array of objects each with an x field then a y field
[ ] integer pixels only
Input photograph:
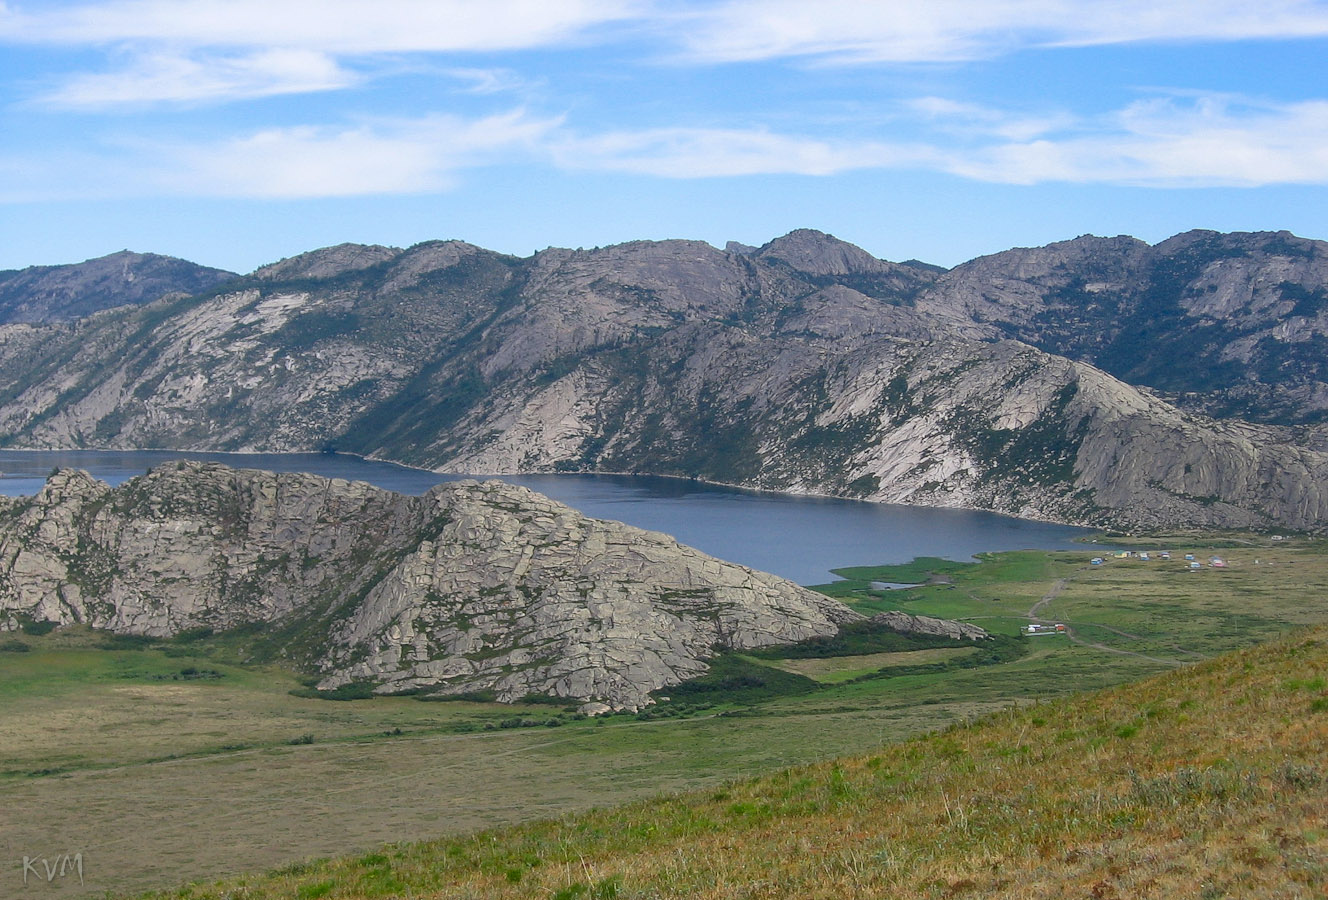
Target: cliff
[{"x": 474, "y": 587}]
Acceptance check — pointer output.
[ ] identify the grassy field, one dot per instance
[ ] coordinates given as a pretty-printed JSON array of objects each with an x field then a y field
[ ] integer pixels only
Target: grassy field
[
  {"x": 834, "y": 669},
  {"x": 1209, "y": 781},
  {"x": 166, "y": 763}
]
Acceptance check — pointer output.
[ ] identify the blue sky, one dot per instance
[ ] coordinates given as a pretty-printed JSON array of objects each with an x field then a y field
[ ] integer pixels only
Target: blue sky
[{"x": 237, "y": 132}]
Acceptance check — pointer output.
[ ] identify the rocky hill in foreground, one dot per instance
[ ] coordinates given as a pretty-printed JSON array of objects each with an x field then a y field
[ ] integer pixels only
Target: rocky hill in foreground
[
  {"x": 804, "y": 365},
  {"x": 472, "y": 588}
]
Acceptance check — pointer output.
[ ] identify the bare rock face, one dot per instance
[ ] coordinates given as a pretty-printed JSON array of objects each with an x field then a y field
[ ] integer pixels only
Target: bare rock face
[
  {"x": 818, "y": 253},
  {"x": 472, "y": 587},
  {"x": 948, "y": 628},
  {"x": 523, "y": 595},
  {"x": 1098, "y": 381},
  {"x": 43, "y": 294},
  {"x": 327, "y": 262},
  {"x": 1234, "y": 325}
]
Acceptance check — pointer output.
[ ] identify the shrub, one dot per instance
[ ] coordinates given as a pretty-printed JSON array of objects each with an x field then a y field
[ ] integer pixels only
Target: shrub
[{"x": 36, "y": 629}]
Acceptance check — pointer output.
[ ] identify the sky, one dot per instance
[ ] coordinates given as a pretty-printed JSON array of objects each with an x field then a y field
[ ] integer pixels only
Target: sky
[{"x": 237, "y": 132}]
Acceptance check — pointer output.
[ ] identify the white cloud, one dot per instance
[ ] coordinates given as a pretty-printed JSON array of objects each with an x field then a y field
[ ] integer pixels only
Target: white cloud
[
  {"x": 329, "y": 26},
  {"x": 489, "y": 81},
  {"x": 1201, "y": 141},
  {"x": 849, "y": 31},
  {"x": 1205, "y": 141},
  {"x": 218, "y": 50},
  {"x": 412, "y": 156},
  {"x": 715, "y": 152},
  {"x": 383, "y": 157},
  {"x": 709, "y": 30},
  {"x": 172, "y": 77},
  {"x": 972, "y": 120},
  {"x": 1175, "y": 141}
]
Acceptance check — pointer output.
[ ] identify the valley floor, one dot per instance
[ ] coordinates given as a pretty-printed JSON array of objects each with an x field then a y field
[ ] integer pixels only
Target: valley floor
[
  {"x": 1210, "y": 781},
  {"x": 168, "y": 763}
]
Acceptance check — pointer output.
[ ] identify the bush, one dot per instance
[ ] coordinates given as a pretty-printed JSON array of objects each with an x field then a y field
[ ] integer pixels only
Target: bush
[
  {"x": 36, "y": 629},
  {"x": 355, "y": 690},
  {"x": 197, "y": 633},
  {"x": 13, "y": 646},
  {"x": 732, "y": 679},
  {"x": 127, "y": 641}
]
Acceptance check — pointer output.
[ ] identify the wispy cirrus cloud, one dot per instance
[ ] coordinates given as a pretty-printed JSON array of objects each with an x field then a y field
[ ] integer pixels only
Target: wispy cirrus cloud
[
  {"x": 974, "y": 120},
  {"x": 1199, "y": 141},
  {"x": 408, "y": 156},
  {"x": 418, "y": 155},
  {"x": 158, "y": 77},
  {"x": 1174, "y": 141},
  {"x": 849, "y": 32},
  {"x": 727, "y": 152},
  {"x": 328, "y": 26},
  {"x": 199, "y": 51},
  {"x": 488, "y": 81},
  {"x": 1177, "y": 141},
  {"x": 712, "y": 31}
]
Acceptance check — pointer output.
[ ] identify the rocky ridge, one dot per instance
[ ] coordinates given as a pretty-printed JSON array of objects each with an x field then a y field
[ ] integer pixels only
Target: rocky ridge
[
  {"x": 906, "y": 623},
  {"x": 472, "y": 588},
  {"x": 1233, "y": 325},
  {"x": 803, "y": 365},
  {"x": 43, "y": 294}
]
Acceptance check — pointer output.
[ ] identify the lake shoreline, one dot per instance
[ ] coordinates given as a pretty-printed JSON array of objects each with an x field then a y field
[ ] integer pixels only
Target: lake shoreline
[
  {"x": 501, "y": 476},
  {"x": 799, "y": 536}
]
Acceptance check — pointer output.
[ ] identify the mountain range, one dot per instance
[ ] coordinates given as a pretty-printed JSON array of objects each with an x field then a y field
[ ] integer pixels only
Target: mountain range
[{"x": 1100, "y": 381}]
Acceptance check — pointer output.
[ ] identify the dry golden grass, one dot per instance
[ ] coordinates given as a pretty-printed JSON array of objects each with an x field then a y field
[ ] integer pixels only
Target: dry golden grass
[{"x": 1208, "y": 781}]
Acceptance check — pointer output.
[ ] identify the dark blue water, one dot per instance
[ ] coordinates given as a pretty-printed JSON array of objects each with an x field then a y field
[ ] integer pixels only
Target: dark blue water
[{"x": 800, "y": 538}]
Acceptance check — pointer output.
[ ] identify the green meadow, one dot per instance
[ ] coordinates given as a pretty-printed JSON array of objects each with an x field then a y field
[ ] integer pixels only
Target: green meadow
[{"x": 169, "y": 761}]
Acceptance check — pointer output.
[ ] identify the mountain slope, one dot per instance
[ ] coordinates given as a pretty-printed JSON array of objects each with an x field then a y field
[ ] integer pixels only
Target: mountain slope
[
  {"x": 803, "y": 365},
  {"x": 947, "y": 423},
  {"x": 60, "y": 293},
  {"x": 1208, "y": 781},
  {"x": 1229, "y": 324},
  {"x": 470, "y": 588}
]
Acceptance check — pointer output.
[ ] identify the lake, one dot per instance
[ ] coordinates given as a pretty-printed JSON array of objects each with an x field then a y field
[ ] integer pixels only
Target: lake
[{"x": 798, "y": 537}]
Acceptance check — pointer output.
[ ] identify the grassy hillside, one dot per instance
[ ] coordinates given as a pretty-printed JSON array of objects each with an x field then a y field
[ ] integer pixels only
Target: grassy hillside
[
  {"x": 106, "y": 742},
  {"x": 1209, "y": 781}
]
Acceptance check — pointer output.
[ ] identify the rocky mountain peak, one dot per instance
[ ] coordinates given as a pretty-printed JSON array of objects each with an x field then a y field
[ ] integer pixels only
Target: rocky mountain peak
[
  {"x": 420, "y": 260},
  {"x": 1273, "y": 243},
  {"x": 60, "y": 293},
  {"x": 1185, "y": 240},
  {"x": 818, "y": 253},
  {"x": 327, "y": 262}
]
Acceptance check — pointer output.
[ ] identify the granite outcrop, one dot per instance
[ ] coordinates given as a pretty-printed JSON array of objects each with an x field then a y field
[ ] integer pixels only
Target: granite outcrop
[{"x": 483, "y": 589}]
